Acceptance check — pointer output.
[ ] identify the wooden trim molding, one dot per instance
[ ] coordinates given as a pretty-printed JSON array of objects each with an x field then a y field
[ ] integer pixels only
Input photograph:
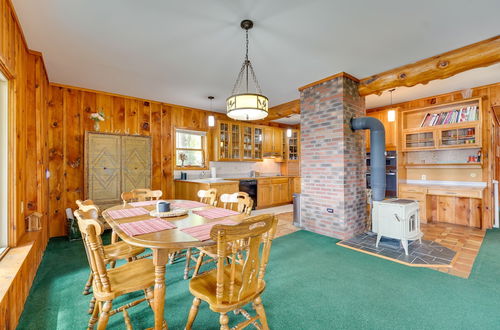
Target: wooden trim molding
[
  {"x": 340, "y": 74},
  {"x": 480, "y": 54},
  {"x": 281, "y": 111}
]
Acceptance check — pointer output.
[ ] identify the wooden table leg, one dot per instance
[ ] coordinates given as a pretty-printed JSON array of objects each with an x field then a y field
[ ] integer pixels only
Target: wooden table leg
[{"x": 160, "y": 259}]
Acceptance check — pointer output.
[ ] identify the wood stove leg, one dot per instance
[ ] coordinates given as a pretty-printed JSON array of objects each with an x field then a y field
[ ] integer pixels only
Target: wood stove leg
[
  {"x": 405, "y": 245},
  {"x": 378, "y": 239}
]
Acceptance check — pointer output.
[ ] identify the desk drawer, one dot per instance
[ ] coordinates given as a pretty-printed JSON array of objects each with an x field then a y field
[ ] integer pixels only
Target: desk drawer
[
  {"x": 412, "y": 189},
  {"x": 456, "y": 193},
  {"x": 410, "y": 195},
  {"x": 263, "y": 181},
  {"x": 279, "y": 180}
]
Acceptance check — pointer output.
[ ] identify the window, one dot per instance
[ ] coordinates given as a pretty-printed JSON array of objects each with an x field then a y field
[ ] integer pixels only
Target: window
[
  {"x": 4, "y": 224},
  {"x": 190, "y": 148}
]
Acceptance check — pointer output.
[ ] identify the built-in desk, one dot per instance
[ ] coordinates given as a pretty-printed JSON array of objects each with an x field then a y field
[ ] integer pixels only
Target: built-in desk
[{"x": 460, "y": 204}]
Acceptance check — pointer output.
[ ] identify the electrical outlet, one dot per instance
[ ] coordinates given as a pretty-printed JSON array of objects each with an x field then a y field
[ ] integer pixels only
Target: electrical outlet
[
  {"x": 329, "y": 210},
  {"x": 424, "y": 177},
  {"x": 473, "y": 175}
]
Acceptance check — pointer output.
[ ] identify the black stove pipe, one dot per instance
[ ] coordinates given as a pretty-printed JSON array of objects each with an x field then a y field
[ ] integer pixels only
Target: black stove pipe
[{"x": 377, "y": 153}]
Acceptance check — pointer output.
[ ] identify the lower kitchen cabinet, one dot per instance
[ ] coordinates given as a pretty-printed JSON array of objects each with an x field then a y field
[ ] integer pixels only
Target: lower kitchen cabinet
[
  {"x": 273, "y": 191},
  {"x": 188, "y": 190}
]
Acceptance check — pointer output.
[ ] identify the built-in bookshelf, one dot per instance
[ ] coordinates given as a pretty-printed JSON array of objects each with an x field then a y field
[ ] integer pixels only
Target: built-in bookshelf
[{"x": 455, "y": 125}]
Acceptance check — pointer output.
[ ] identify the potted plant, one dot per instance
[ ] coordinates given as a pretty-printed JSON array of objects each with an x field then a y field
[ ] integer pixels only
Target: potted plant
[{"x": 97, "y": 117}]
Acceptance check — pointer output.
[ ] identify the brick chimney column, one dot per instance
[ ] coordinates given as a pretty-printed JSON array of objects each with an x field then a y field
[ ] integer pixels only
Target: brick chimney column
[{"x": 333, "y": 198}]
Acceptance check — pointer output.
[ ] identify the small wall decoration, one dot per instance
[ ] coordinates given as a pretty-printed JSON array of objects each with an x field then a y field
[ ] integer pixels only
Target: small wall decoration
[
  {"x": 33, "y": 221},
  {"x": 97, "y": 117}
]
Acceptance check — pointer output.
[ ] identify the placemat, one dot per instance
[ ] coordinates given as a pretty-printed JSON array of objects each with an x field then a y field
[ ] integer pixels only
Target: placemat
[
  {"x": 187, "y": 204},
  {"x": 126, "y": 213},
  {"x": 202, "y": 232},
  {"x": 214, "y": 213},
  {"x": 146, "y": 226}
]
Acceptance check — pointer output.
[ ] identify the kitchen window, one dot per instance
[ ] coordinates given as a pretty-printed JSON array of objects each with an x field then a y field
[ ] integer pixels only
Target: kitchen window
[
  {"x": 190, "y": 149},
  {"x": 4, "y": 220}
]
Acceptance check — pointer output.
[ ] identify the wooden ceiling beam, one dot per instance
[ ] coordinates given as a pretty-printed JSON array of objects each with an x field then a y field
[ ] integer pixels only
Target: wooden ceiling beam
[
  {"x": 480, "y": 54},
  {"x": 283, "y": 110}
]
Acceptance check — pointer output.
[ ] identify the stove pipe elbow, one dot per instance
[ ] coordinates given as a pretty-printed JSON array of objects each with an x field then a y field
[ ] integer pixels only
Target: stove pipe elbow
[{"x": 377, "y": 153}]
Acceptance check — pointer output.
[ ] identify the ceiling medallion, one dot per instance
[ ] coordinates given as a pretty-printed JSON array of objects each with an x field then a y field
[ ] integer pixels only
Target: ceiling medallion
[{"x": 243, "y": 104}]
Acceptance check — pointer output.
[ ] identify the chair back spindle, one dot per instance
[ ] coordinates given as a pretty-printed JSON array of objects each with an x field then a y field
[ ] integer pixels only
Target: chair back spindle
[
  {"x": 208, "y": 196},
  {"x": 91, "y": 230}
]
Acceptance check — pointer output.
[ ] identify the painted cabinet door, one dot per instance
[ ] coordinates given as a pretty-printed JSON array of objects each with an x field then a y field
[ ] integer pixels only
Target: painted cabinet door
[
  {"x": 136, "y": 162},
  {"x": 103, "y": 168}
]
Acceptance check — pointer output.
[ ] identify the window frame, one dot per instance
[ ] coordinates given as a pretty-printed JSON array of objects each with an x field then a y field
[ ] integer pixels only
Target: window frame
[
  {"x": 204, "y": 149},
  {"x": 6, "y": 219}
]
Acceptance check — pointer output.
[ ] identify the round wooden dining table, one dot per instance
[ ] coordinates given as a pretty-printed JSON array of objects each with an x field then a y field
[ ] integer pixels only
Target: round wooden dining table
[{"x": 164, "y": 242}]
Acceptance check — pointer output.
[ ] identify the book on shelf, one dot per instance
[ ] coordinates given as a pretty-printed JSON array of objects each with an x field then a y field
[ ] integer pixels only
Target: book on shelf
[{"x": 470, "y": 113}]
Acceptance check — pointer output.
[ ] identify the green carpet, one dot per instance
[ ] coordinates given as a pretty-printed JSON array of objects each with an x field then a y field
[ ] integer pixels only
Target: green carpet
[{"x": 312, "y": 284}]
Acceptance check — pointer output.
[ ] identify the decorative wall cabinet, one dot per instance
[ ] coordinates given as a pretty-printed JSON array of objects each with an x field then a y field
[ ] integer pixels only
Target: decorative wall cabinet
[
  {"x": 291, "y": 146},
  {"x": 273, "y": 141},
  {"x": 115, "y": 163}
]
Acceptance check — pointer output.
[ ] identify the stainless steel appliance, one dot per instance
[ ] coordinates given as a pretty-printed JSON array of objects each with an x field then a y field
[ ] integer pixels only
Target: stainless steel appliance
[
  {"x": 250, "y": 187},
  {"x": 296, "y": 210},
  {"x": 391, "y": 174}
]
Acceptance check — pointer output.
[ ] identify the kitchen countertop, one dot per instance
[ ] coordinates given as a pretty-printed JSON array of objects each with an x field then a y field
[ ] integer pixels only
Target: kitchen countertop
[
  {"x": 225, "y": 180},
  {"x": 447, "y": 185}
]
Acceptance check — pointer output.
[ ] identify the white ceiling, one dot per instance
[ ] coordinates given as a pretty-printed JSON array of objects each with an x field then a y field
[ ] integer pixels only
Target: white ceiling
[{"x": 182, "y": 51}]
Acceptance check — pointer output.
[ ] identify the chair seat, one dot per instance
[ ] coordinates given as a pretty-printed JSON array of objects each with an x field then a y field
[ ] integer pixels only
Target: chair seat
[
  {"x": 121, "y": 250},
  {"x": 204, "y": 287},
  {"x": 132, "y": 276}
]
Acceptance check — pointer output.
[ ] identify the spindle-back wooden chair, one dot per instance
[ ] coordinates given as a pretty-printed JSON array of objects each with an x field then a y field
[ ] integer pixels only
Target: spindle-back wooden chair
[
  {"x": 232, "y": 285},
  {"x": 208, "y": 196},
  {"x": 111, "y": 253},
  {"x": 239, "y": 201},
  {"x": 141, "y": 195},
  {"x": 109, "y": 284}
]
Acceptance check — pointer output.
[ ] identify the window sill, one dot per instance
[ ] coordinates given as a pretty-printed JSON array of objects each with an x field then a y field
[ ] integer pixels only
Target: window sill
[{"x": 191, "y": 168}]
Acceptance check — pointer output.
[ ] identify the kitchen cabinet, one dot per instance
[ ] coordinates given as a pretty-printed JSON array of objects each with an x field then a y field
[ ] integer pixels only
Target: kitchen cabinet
[
  {"x": 238, "y": 142},
  {"x": 273, "y": 191},
  {"x": 188, "y": 190},
  {"x": 273, "y": 141},
  {"x": 291, "y": 146},
  {"x": 391, "y": 133}
]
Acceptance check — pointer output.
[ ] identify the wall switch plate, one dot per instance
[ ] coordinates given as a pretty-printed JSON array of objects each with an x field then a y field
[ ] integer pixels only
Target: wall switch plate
[{"x": 329, "y": 210}]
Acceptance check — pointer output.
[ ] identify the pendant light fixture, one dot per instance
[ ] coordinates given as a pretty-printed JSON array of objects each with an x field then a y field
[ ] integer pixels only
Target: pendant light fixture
[
  {"x": 244, "y": 104},
  {"x": 391, "y": 114},
  {"x": 211, "y": 119}
]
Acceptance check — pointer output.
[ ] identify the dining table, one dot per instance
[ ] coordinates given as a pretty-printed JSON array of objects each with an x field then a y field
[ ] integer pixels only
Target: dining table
[{"x": 163, "y": 243}]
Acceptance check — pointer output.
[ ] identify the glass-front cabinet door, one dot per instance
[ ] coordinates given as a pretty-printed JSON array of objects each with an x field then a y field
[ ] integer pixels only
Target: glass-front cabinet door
[
  {"x": 422, "y": 140},
  {"x": 223, "y": 147},
  {"x": 466, "y": 137},
  {"x": 293, "y": 146},
  {"x": 247, "y": 142},
  {"x": 258, "y": 135},
  {"x": 235, "y": 141}
]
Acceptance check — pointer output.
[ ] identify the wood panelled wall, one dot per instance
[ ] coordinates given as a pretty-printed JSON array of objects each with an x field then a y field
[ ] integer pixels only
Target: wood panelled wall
[
  {"x": 69, "y": 109},
  {"x": 490, "y": 95},
  {"x": 28, "y": 159}
]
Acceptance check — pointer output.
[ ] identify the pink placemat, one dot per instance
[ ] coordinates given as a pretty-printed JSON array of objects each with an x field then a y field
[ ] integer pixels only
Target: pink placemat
[
  {"x": 202, "y": 232},
  {"x": 187, "y": 205},
  {"x": 146, "y": 226},
  {"x": 126, "y": 213},
  {"x": 145, "y": 203},
  {"x": 215, "y": 213}
]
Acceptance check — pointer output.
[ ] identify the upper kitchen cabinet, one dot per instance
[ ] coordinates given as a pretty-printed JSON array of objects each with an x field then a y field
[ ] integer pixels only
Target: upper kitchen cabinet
[
  {"x": 238, "y": 142},
  {"x": 389, "y": 120},
  {"x": 273, "y": 142},
  {"x": 228, "y": 141},
  {"x": 291, "y": 145}
]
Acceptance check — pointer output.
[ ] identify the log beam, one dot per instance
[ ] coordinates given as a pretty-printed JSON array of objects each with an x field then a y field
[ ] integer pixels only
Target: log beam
[
  {"x": 480, "y": 54},
  {"x": 283, "y": 110}
]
